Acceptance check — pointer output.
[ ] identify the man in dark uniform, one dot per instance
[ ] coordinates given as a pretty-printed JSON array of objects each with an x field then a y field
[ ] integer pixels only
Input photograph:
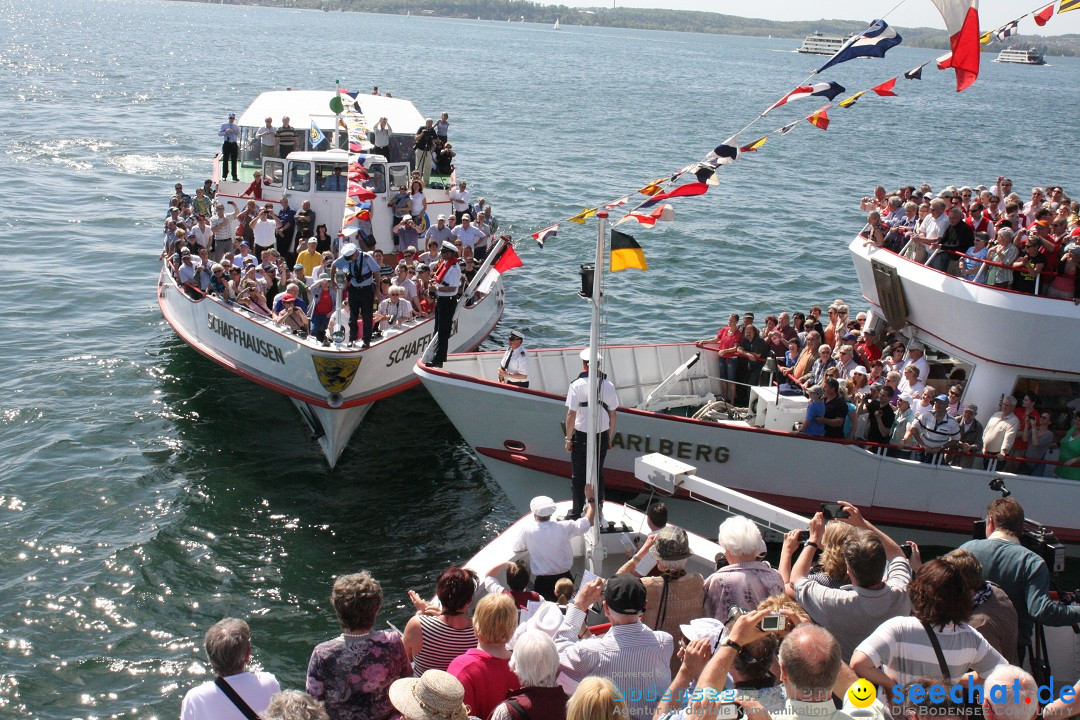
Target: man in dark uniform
[
  {"x": 360, "y": 271},
  {"x": 447, "y": 284}
]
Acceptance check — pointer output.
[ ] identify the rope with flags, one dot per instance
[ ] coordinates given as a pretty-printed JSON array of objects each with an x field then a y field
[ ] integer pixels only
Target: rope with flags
[{"x": 961, "y": 21}]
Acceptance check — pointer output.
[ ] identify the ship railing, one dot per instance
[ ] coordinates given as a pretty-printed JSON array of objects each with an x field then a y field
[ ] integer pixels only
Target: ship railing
[{"x": 982, "y": 271}]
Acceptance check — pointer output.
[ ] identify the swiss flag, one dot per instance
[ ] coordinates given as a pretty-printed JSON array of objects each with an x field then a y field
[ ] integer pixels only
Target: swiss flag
[{"x": 962, "y": 22}]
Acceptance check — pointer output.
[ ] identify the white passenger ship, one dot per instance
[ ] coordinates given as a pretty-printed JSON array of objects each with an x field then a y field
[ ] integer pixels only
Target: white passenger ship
[
  {"x": 332, "y": 386},
  {"x": 821, "y": 44},
  {"x": 1021, "y": 57},
  {"x": 997, "y": 339}
]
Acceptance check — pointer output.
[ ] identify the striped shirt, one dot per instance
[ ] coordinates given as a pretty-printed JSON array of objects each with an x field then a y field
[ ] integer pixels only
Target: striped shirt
[
  {"x": 902, "y": 645},
  {"x": 440, "y": 644},
  {"x": 632, "y": 656}
]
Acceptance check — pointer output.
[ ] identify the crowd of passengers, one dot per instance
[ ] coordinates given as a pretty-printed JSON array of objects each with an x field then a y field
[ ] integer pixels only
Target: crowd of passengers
[
  {"x": 787, "y": 641},
  {"x": 986, "y": 235},
  {"x": 278, "y": 264},
  {"x": 872, "y": 386}
]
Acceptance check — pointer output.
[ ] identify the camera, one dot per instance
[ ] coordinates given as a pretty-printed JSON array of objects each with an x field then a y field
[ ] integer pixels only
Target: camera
[{"x": 773, "y": 622}]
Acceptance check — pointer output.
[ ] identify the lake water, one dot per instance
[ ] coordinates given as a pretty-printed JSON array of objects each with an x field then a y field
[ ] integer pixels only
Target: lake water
[{"x": 146, "y": 493}]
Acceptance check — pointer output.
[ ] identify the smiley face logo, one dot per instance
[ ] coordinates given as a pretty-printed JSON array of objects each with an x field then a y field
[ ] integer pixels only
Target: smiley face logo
[{"x": 862, "y": 693}]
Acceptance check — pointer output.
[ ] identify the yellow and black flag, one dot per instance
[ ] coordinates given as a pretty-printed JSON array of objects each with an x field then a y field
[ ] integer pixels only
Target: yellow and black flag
[
  {"x": 1067, "y": 5},
  {"x": 626, "y": 253}
]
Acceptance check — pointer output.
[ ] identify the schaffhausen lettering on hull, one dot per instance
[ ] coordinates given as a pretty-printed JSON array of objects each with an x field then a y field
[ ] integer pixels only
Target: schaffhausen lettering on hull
[
  {"x": 244, "y": 340},
  {"x": 413, "y": 348}
]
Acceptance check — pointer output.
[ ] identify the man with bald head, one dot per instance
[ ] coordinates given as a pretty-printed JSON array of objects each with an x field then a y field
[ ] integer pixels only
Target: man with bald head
[{"x": 1008, "y": 704}]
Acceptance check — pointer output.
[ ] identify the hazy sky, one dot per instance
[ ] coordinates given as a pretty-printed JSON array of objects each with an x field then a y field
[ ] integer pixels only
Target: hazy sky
[{"x": 910, "y": 13}]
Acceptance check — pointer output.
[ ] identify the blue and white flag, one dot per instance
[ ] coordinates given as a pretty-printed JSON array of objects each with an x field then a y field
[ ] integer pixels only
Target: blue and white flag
[
  {"x": 1006, "y": 30},
  {"x": 874, "y": 41},
  {"x": 315, "y": 135}
]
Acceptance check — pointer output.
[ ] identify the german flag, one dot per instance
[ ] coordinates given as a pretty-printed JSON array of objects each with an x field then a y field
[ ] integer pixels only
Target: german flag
[
  {"x": 626, "y": 253},
  {"x": 1067, "y": 5}
]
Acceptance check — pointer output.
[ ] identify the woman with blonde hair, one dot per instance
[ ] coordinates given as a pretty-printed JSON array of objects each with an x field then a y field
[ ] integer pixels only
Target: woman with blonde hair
[
  {"x": 485, "y": 671},
  {"x": 831, "y": 570},
  {"x": 596, "y": 698}
]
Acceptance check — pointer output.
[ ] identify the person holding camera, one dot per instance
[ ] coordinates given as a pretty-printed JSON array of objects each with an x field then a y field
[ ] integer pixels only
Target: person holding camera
[
  {"x": 879, "y": 573},
  {"x": 1020, "y": 572},
  {"x": 291, "y": 316}
]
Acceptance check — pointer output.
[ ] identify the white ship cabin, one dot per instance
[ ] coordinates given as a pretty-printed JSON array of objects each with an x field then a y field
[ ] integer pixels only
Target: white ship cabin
[{"x": 304, "y": 174}]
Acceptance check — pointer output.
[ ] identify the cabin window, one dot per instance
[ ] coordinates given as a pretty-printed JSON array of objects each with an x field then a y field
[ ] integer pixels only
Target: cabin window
[
  {"x": 331, "y": 177},
  {"x": 300, "y": 177},
  {"x": 274, "y": 173},
  {"x": 378, "y": 179},
  {"x": 399, "y": 175},
  {"x": 945, "y": 370},
  {"x": 1060, "y": 398}
]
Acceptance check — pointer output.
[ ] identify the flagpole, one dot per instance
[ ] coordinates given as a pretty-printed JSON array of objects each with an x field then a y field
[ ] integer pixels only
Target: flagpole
[{"x": 595, "y": 555}]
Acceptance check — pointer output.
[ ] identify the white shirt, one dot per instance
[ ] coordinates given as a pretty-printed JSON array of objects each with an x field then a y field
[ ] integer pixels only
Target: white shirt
[
  {"x": 264, "y": 233},
  {"x": 548, "y": 544},
  {"x": 516, "y": 362},
  {"x": 207, "y": 702},
  {"x": 460, "y": 199},
  {"x": 202, "y": 236},
  {"x": 933, "y": 227},
  {"x": 577, "y": 399},
  {"x": 468, "y": 236}
]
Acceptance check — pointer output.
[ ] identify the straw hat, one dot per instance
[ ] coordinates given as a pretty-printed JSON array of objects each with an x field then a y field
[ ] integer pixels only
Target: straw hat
[{"x": 435, "y": 695}]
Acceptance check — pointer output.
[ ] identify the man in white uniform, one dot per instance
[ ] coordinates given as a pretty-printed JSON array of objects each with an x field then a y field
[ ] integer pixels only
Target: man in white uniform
[
  {"x": 548, "y": 543},
  {"x": 228, "y": 647},
  {"x": 514, "y": 368},
  {"x": 577, "y": 426}
]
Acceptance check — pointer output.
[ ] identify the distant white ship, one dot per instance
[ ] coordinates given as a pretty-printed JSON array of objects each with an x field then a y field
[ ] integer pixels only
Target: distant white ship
[
  {"x": 820, "y": 44},
  {"x": 556, "y": 23},
  {"x": 1021, "y": 57}
]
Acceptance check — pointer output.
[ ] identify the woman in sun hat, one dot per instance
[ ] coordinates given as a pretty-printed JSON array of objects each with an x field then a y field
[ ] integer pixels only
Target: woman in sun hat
[{"x": 435, "y": 695}]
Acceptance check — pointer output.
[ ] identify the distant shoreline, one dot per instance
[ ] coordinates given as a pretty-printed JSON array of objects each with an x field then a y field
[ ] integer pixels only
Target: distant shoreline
[{"x": 652, "y": 19}]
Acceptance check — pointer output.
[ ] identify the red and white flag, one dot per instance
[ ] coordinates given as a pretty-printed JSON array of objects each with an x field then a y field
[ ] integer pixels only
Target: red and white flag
[
  {"x": 1043, "y": 16},
  {"x": 545, "y": 234},
  {"x": 665, "y": 212},
  {"x": 962, "y": 22},
  {"x": 507, "y": 260},
  {"x": 822, "y": 89}
]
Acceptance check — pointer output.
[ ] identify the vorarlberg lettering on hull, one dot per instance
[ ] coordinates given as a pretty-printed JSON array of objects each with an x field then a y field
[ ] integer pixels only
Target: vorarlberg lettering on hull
[
  {"x": 679, "y": 449},
  {"x": 243, "y": 339}
]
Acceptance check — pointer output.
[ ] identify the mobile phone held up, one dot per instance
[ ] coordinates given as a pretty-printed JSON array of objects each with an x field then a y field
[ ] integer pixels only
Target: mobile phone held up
[{"x": 832, "y": 511}]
